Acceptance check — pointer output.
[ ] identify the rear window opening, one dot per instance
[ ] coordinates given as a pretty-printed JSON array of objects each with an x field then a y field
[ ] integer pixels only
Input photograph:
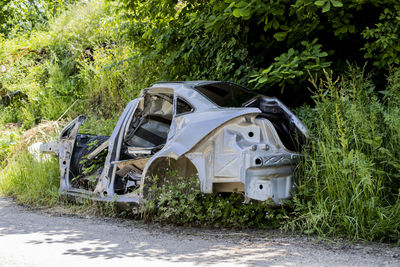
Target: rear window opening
[
  {"x": 150, "y": 124},
  {"x": 226, "y": 94}
]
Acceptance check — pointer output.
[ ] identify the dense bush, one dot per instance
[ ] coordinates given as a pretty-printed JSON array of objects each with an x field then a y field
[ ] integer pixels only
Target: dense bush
[
  {"x": 100, "y": 52},
  {"x": 275, "y": 42},
  {"x": 52, "y": 67},
  {"x": 180, "y": 201},
  {"x": 23, "y": 16}
]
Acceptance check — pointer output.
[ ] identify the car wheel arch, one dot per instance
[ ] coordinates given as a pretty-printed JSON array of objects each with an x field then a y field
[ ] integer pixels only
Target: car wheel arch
[{"x": 164, "y": 165}]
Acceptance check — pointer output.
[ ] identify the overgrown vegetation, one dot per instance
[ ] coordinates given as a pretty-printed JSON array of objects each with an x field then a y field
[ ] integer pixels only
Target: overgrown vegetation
[
  {"x": 267, "y": 45},
  {"x": 26, "y": 175},
  {"x": 23, "y": 16},
  {"x": 7, "y": 141},
  {"x": 62, "y": 58},
  {"x": 30, "y": 181},
  {"x": 166, "y": 204},
  {"x": 350, "y": 183}
]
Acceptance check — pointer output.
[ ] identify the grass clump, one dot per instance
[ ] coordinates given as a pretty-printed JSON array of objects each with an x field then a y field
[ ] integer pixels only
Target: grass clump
[
  {"x": 26, "y": 175},
  {"x": 30, "y": 181},
  {"x": 350, "y": 181}
]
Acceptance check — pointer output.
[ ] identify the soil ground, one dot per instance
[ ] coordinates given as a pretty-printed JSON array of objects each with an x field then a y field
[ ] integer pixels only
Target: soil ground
[{"x": 49, "y": 237}]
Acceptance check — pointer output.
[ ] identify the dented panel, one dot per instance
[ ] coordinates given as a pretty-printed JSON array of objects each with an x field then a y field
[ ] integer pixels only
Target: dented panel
[{"x": 253, "y": 147}]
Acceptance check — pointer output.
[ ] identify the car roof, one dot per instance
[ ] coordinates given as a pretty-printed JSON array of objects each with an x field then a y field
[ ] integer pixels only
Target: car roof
[
  {"x": 188, "y": 89},
  {"x": 187, "y": 83},
  {"x": 194, "y": 84}
]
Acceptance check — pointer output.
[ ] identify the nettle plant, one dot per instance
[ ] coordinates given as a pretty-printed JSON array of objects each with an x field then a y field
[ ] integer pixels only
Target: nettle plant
[{"x": 178, "y": 200}]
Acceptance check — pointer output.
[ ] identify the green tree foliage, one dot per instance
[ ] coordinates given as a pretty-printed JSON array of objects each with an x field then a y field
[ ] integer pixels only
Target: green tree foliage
[
  {"x": 18, "y": 16},
  {"x": 276, "y": 42},
  {"x": 383, "y": 46}
]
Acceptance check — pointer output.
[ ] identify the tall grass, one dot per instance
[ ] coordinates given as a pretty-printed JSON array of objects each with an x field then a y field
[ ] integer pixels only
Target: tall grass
[
  {"x": 29, "y": 178},
  {"x": 30, "y": 181},
  {"x": 351, "y": 171}
]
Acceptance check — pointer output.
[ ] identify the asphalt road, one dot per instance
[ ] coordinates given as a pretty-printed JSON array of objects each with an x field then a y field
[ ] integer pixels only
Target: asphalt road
[{"x": 50, "y": 238}]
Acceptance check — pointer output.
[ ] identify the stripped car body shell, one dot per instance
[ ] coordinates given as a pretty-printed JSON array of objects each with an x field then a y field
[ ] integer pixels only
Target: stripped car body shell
[{"x": 229, "y": 148}]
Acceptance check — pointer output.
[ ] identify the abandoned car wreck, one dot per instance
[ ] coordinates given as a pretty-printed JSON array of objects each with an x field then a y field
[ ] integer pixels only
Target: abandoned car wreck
[{"x": 226, "y": 135}]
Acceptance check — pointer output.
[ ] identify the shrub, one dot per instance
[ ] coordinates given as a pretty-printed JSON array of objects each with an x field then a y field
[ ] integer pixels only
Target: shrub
[
  {"x": 20, "y": 16},
  {"x": 275, "y": 42},
  {"x": 50, "y": 66},
  {"x": 179, "y": 200}
]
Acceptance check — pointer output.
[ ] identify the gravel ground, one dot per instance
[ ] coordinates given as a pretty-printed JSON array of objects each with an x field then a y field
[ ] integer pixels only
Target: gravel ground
[{"x": 52, "y": 238}]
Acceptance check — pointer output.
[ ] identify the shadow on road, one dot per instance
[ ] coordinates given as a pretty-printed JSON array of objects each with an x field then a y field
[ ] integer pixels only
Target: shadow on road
[
  {"x": 127, "y": 241},
  {"x": 110, "y": 239}
]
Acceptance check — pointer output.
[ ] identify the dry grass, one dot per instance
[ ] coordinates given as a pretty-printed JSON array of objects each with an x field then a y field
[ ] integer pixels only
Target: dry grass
[{"x": 43, "y": 132}]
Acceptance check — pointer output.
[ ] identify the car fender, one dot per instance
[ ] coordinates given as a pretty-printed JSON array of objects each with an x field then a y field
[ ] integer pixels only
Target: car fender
[{"x": 189, "y": 130}]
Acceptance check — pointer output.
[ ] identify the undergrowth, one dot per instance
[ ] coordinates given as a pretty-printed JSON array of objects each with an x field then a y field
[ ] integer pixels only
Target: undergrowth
[
  {"x": 25, "y": 175},
  {"x": 179, "y": 201},
  {"x": 350, "y": 182},
  {"x": 7, "y": 141},
  {"x": 30, "y": 181}
]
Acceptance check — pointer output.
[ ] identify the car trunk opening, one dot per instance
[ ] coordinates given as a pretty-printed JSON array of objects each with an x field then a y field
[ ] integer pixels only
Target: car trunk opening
[{"x": 289, "y": 128}]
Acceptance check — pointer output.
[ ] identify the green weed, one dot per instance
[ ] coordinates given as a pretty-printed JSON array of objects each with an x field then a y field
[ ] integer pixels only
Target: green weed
[
  {"x": 179, "y": 200},
  {"x": 350, "y": 179},
  {"x": 30, "y": 181},
  {"x": 7, "y": 141}
]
